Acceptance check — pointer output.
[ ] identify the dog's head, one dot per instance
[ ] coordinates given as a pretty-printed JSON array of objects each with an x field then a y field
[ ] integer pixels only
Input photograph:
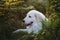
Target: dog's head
[{"x": 33, "y": 17}]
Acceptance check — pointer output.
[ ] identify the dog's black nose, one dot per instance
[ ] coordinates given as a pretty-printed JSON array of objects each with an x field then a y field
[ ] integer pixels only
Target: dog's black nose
[{"x": 23, "y": 21}]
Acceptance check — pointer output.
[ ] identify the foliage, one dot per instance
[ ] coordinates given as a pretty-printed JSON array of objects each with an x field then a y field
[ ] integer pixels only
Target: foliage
[
  {"x": 13, "y": 11},
  {"x": 51, "y": 32}
]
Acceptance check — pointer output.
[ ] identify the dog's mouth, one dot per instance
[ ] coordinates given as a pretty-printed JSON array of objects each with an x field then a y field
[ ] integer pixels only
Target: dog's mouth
[{"x": 29, "y": 24}]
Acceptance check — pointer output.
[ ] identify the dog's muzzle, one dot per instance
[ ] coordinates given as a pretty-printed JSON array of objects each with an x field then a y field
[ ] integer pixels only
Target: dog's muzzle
[{"x": 29, "y": 24}]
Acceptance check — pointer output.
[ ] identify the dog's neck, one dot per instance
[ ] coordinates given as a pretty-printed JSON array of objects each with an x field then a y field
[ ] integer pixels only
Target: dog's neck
[{"x": 34, "y": 28}]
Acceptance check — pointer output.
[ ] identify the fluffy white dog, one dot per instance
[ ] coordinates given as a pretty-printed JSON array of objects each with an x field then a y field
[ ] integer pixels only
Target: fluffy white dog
[{"x": 33, "y": 22}]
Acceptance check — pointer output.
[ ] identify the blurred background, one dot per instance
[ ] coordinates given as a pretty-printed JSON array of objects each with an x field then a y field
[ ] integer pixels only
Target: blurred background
[{"x": 13, "y": 11}]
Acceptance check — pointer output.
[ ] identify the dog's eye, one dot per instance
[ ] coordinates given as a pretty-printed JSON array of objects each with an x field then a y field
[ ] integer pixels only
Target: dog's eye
[{"x": 29, "y": 16}]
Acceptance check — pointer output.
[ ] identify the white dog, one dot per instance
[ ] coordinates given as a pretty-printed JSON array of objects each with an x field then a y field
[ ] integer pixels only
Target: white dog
[{"x": 33, "y": 22}]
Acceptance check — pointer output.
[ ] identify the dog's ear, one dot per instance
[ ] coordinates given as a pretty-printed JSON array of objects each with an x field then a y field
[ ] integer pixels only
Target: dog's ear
[{"x": 39, "y": 17}]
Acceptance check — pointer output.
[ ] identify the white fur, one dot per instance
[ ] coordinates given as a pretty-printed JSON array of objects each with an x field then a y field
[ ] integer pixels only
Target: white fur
[{"x": 36, "y": 18}]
